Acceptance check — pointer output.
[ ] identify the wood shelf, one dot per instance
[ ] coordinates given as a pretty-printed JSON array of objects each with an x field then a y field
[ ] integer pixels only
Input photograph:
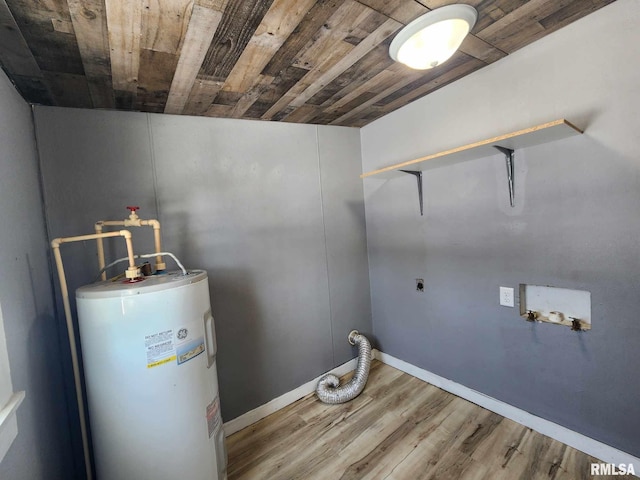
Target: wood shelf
[{"x": 545, "y": 133}]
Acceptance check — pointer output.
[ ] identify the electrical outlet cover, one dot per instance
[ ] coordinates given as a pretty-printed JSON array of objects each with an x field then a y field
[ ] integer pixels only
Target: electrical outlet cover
[{"x": 506, "y": 297}]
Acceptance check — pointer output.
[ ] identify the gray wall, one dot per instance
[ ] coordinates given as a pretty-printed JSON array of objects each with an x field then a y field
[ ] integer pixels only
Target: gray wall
[
  {"x": 42, "y": 448},
  {"x": 575, "y": 225},
  {"x": 274, "y": 212}
]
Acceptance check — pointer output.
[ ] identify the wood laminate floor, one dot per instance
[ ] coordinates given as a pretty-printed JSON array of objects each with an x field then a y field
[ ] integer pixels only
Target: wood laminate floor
[{"x": 399, "y": 428}]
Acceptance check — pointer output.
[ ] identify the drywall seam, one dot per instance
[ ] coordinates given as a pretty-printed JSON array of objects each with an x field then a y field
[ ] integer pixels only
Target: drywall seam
[
  {"x": 252, "y": 416},
  {"x": 366, "y": 236},
  {"x": 154, "y": 171},
  {"x": 69, "y": 402},
  {"x": 326, "y": 247},
  {"x": 576, "y": 440}
]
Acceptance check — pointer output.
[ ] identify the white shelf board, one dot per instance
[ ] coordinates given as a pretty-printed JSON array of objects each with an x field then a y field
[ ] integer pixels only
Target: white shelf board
[{"x": 528, "y": 137}]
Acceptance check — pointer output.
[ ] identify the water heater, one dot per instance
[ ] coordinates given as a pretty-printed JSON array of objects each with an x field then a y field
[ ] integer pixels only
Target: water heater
[{"x": 149, "y": 356}]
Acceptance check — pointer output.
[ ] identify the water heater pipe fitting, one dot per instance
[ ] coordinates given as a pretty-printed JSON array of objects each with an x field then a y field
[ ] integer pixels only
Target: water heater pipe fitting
[
  {"x": 146, "y": 255},
  {"x": 132, "y": 221},
  {"x": 329, "y": 389},
  {"x": 64, "y": 290}
]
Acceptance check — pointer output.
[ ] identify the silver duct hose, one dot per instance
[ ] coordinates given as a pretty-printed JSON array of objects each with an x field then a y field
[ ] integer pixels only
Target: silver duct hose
[{"x": 329, "y": 389}]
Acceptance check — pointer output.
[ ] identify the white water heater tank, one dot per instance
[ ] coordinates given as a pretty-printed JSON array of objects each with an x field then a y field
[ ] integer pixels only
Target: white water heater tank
[{"x": 149, "y": 356}]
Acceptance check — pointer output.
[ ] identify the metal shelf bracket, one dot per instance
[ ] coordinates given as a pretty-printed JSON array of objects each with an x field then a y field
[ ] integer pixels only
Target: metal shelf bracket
[
  {"x": 418, "y": 176},
  {"x": 508, "y": 155}
]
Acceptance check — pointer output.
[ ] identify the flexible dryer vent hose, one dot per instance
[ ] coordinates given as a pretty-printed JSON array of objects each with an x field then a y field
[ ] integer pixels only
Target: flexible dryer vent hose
[{"x": 329, "y": 389}]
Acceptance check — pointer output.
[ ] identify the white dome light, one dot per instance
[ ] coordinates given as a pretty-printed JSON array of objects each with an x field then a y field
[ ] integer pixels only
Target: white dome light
[{"x": 434, "y": 37}]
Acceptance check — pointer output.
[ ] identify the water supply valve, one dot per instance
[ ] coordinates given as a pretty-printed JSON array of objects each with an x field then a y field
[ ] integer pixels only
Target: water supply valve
[
  {"x": 133, "y": 215},
  {"x": 576, "y": 326}
]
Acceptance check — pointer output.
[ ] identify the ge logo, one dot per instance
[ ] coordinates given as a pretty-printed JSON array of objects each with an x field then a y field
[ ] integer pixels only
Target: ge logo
[{"x": 182, "y": 333}]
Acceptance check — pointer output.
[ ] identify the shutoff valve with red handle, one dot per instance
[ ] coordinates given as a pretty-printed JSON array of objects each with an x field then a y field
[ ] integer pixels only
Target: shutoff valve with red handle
[{"x": 133, "y": 215}]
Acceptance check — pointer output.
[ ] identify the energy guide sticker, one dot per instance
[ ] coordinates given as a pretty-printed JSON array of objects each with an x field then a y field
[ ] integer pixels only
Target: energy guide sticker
[{"x": 160, "y": 348}]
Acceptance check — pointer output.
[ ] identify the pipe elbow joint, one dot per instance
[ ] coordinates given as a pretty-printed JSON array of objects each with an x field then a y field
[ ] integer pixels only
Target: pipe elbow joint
[{"x": 154, "y": 223}]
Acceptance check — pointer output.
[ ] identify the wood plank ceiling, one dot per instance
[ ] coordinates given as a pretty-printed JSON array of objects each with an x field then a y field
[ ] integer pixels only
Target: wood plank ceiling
[{"x": 307, "y": 61}]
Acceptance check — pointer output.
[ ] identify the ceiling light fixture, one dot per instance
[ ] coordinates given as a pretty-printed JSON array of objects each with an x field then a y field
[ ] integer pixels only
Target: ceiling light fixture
[{"x": 434, "y": 37}]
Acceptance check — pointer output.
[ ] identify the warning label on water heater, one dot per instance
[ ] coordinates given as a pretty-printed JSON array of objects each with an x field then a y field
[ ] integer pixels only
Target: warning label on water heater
[
  {"x": 160, "y": 348},
  {"x": 213, "y": 416},
  {"x": 174, "y": 345}
]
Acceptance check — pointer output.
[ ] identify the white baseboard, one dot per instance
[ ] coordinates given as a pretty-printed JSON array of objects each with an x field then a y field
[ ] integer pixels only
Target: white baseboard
[
  {"x": 576, "y": 440},
  {"x": 8, "y": 421},
  {"x": 251, "y": 417}
]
